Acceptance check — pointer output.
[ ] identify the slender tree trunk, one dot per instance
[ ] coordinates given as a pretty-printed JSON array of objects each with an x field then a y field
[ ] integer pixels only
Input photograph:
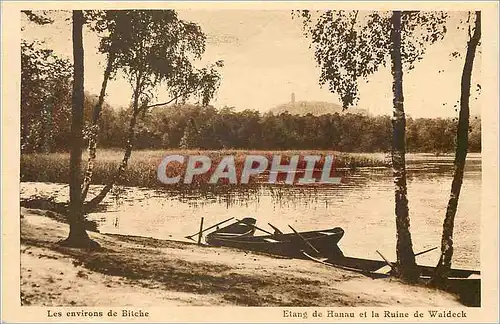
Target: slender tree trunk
[
  {"x": 43, "y": 125},
  {"x": 406, "y": 265},
  {"x": 78, "y": 237},
  {"x": 95, "y": 129},
  {"x": 49, "y": 127},
  {"x": 92, "y": 204},
  {"x": 46, "y": 134},
  {"x": 444, "y": 264}
]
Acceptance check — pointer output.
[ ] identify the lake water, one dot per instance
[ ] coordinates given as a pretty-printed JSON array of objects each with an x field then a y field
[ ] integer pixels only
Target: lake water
[{"x": 363, "y": 205}]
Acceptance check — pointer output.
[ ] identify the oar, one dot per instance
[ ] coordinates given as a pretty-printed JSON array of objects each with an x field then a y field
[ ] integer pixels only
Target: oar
[
  {"x": 260, "y": 229},
  {"x": 429, "y": 250},
  {"x": 276, "y": 229},
  {"x": 304, "y": 240},
  {"x": 392, "y": 266},
  {"x": 206, "y": 229},
  {"x": 386, "y": 261}
]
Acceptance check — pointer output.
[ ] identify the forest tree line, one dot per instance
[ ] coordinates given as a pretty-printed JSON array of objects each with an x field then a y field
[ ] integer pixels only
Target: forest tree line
[{"x": 192, "y": 126}]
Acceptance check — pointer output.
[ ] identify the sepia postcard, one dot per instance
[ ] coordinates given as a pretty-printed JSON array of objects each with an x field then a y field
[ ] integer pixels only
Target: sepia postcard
[{"x": 275, "y": 162}]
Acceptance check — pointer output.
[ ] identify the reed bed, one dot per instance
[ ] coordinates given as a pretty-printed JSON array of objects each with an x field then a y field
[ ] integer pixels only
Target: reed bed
[{"x": 143, "y": 164}]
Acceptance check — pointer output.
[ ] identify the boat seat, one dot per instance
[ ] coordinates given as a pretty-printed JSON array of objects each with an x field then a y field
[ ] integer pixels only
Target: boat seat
[{"x": 228, "y": 234}]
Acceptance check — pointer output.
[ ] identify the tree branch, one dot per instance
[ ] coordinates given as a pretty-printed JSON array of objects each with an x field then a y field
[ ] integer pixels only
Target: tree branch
[
  {"x": 354, "y": 20},
  {"x": 468, "y": 25},
  {"x": 170, "y": 101}
]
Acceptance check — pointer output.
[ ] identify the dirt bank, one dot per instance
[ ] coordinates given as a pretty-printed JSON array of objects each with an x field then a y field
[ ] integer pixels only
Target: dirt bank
[{"x": 143, "y": 271}]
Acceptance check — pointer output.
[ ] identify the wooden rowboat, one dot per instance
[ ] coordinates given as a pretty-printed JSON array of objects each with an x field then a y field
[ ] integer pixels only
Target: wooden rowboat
[
  {"x": 289, "y": 245},
  {"x": 379, "y": 268},
  {"x": 465, "y": 283}
]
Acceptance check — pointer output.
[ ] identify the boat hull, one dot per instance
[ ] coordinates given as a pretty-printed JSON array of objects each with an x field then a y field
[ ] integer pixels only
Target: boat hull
[
  {"x": 289, "y": 245},
  {"x": 464, "y": 283},
  {"x": 374, "y": 265}
]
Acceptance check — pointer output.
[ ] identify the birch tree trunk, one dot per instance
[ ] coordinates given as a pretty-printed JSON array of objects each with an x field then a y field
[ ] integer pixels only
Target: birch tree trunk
[
  {"x": 406, "y": 266},
  {"x": 444, "y": 264},
  {"x": 95, "y": 129},
  {"x": 92, "y": 204}
]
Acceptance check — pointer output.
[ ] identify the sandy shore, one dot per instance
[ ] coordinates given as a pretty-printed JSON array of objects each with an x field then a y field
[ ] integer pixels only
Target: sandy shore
[{"x": 157, "y": 272}]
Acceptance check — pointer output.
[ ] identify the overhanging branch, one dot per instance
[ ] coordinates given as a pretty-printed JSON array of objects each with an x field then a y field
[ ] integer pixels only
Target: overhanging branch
[{"x": 170, "y": 101}]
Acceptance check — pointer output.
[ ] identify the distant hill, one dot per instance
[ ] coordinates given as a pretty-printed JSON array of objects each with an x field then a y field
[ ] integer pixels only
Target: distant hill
[{"x": 316, "y": 108}]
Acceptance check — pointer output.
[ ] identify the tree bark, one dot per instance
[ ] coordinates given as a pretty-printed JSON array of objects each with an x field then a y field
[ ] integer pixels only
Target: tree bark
[
  {"x": 92, "y": 204},
  {"x": 444, "y": 264},
  {"x": 95, "y": 128},
  {"x": 406, "y": 266},
  {"x": 78, "y": 237}
]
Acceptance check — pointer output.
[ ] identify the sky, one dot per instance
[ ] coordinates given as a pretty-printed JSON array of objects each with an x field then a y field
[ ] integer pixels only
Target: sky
[{"x": 267, "y": 58}]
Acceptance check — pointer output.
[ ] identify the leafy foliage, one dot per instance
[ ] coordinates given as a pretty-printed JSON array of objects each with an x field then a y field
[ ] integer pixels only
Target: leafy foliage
[
  {"x": 351, "y": 45},
  {"x": 45, "y": 97},
  {"x": 153, "y": 47},
  {"x": 39, "y": 17}
]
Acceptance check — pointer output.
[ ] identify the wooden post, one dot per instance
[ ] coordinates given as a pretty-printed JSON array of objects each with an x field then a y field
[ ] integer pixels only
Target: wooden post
[{"x": 201, "y": 231}]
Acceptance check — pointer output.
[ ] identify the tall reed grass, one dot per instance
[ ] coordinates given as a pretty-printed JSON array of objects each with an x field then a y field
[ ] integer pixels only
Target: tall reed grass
[{"x": 143, "y": 164}]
